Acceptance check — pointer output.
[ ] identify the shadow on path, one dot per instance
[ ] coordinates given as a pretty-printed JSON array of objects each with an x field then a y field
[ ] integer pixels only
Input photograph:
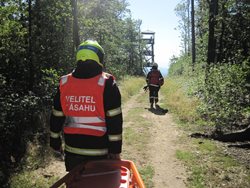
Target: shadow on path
[
  {"x": 158, "y": 110},
  {"x": 243, "y": 146}
]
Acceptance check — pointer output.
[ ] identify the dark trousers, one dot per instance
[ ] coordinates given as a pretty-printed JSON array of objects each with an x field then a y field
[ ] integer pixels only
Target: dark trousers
[
  {"x": 153, "y": 94},
  {"x": 71, "y": 160}
]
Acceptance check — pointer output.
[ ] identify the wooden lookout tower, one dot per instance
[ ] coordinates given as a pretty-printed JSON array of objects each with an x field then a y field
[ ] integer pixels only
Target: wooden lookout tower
[{"x": 148, "y": 38}]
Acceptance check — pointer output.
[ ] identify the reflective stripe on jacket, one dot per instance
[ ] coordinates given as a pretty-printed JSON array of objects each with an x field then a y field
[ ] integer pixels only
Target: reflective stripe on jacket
[
  {"x": 85, "y": 125},
  {"x": 82, "y": 104},
  {"x": 88, "y": 152}
]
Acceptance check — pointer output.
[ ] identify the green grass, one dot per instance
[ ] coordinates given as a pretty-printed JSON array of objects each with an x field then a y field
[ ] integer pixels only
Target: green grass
[
  {"x": 209, "y": 166},
  {"x": 205, "y": 146},
  {"x": 136, "y": 138},
  {"x": 196, "y": 178},
  {"x": 130, "y": 86},
  {"x": 137, "y": 134},
  {"x": 178, "y": 102},
  {"x": 207, "y": 163},
  {"x": 184, "y": 155},
  {"x": 36, "y": 157},
  {"x": 147, "y": 173},
  {"x": 130, "y": 135},
  {"x": 30, "y": 179}
]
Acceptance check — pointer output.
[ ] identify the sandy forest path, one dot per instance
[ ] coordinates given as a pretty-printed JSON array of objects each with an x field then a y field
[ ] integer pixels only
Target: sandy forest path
[
  {"x": 162, "y": 135},
  {"x": 158, "y": 151}
]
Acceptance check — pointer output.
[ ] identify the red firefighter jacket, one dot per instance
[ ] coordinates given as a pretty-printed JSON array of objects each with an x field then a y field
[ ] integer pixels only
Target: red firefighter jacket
[
  {"x": 155, "y": 78},
  {"x": 88, "y": 110},
  {"x": 82, "y": 107}
]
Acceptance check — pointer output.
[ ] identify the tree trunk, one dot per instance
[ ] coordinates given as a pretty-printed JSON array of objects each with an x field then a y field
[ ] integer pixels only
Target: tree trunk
[
  {"x": 221, "y": 53},
  {"x": 213, "y": 11},
  {"x": 193, "y": 35},
  {"x": 31, "y": 67},
  {"x": 238, "y": 136},
  {"x": 75, "y": 24},
  {"x": 188, "y": 27}
]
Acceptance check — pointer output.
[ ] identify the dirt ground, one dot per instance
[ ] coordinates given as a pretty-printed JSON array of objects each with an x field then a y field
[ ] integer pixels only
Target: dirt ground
[
  {"x": 163, "y": 140},
  {"x": 169, "y": 172}
]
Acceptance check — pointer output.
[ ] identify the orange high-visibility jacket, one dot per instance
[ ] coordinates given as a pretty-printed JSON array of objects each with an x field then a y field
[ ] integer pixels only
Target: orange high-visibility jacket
[{"x": 83, "y": 106}]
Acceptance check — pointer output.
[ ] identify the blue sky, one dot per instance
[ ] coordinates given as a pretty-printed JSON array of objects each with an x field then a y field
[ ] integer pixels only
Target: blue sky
[{"x": 159, "y": 16}]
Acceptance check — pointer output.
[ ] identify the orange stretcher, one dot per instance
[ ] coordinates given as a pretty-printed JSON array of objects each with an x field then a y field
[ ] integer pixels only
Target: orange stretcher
[{"x": 102, "y": 174}]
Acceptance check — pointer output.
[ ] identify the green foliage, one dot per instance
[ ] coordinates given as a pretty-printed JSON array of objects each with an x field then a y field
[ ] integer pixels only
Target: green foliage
[
  {"x": 16, "y": 117},
  {"x": 222, "y": 85},
  {"x": 28, "y": 48},
  {"x": 49, "y": 83},
  {"x": 226, "y": 98},
  {"x": 180, "y": 66},
  {"x": 110, "y": 23},
  {"x": 36, "y": 48},
  {"x": 182, "y": 11},
  {"x": 223, "y": 98}
]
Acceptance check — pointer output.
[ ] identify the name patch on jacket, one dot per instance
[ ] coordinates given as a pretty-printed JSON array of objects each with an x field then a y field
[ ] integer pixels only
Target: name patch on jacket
[{"x": 81, "y": 103}]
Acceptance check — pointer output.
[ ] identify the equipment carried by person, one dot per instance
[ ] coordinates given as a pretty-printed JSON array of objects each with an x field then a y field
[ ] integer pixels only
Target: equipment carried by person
[
  {"x": 145, "y": 88},
  {"x": 103, "y": 174}
]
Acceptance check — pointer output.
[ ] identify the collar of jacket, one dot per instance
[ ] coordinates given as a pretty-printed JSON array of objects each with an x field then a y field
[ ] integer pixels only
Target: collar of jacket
[{"x": 86, "y": 69}]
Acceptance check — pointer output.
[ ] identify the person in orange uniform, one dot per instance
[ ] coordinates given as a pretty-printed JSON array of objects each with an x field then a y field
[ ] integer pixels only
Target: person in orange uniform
[
  {"x": 154, "y": 81},
  {"x": 87, "y": 109}
]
